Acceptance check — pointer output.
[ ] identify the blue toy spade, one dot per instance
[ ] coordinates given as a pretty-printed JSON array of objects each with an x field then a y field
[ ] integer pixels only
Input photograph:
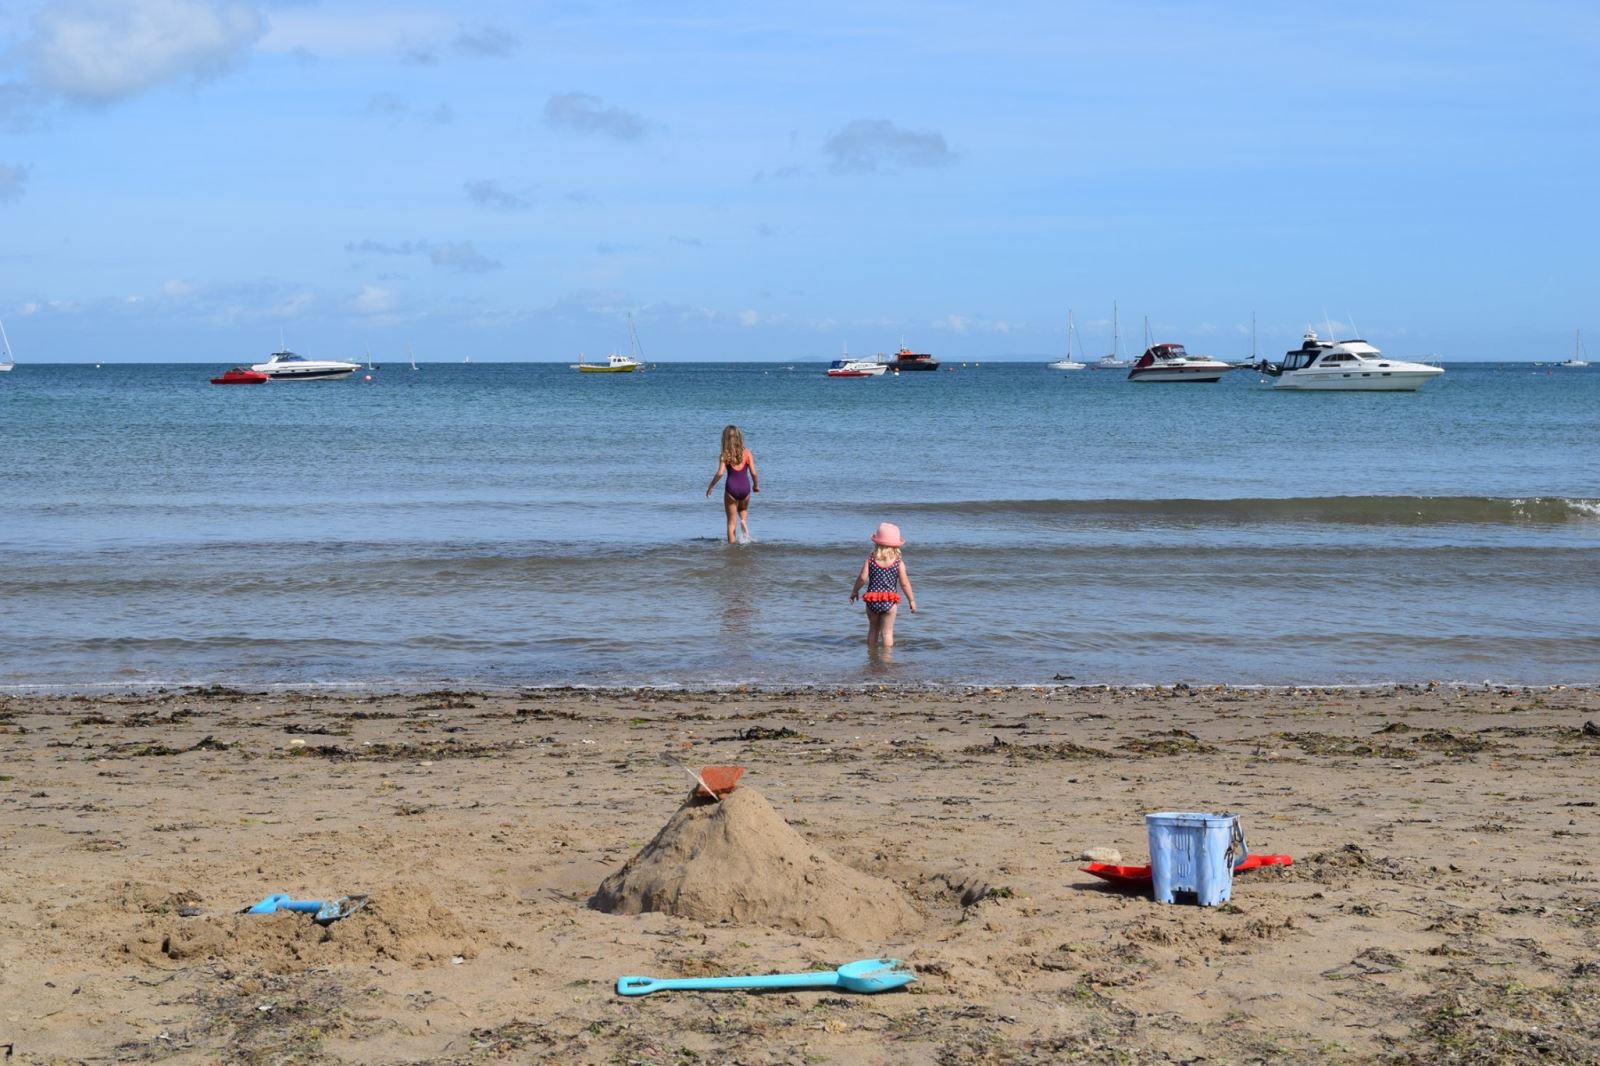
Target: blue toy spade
[
  {"x": 324, "y": 911},
  {"x": 867, "y": 975}
]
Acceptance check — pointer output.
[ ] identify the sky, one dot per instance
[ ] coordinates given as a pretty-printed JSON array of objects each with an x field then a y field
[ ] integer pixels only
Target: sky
[{"x": 203, "y": 180}]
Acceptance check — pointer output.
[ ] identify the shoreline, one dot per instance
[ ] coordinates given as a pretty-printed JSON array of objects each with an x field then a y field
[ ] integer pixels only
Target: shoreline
[{"x": 1441, "y": 901}]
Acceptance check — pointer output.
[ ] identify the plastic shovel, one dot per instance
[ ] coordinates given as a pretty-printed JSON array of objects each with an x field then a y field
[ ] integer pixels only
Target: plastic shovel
[
  {"x": 866, "y": 975},
  {"x": 323, "y": 911}
]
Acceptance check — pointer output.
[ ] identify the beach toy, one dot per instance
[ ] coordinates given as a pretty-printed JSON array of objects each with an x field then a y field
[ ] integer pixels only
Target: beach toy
[
  {"x": 322, "y": 911},
  {"x": 1139, "y": 876},
  {"x": 1194, "y": 854},
  {"x": 866, "y": 975},
  {"x": 715, "y": 782}
]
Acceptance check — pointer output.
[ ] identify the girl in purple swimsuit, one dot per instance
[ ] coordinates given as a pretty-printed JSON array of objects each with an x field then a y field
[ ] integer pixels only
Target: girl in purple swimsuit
[
  {"x": 740, "y": 466},
  {"x": 884, "y": 575}
]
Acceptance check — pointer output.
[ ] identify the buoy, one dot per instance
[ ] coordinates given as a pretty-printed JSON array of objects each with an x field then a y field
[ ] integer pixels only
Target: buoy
[{"x": 367, "y": 378}]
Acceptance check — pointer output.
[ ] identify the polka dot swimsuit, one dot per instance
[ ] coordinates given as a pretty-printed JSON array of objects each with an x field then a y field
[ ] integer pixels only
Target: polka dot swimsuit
[{"x": 883, "y": 587}]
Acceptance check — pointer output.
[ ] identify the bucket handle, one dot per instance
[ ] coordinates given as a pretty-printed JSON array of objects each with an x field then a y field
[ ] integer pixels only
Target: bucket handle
[{"x": 1237, "y": 849}]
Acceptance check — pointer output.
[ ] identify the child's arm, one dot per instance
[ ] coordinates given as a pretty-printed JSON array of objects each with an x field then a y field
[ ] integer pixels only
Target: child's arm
[
  {"x": 905, "y": 583},
  {"x": 721, "y": 466},
  {"x": 755, "y": 479},
  {"x": 861, "y": 579}
]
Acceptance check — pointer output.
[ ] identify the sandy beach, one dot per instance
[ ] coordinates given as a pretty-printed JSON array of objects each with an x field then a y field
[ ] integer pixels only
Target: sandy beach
[{"x": 1443, "y": 904}]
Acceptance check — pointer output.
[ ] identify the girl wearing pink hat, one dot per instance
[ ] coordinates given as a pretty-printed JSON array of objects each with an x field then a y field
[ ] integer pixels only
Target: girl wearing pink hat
[{"x": 884, "y": 575}]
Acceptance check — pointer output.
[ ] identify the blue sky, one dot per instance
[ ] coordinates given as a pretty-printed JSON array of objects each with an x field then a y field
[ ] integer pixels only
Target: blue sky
[{"x": 191, "y": 179}]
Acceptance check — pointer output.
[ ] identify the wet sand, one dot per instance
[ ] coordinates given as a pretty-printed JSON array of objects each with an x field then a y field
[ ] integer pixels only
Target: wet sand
[{"x": 1444, "y": 904}]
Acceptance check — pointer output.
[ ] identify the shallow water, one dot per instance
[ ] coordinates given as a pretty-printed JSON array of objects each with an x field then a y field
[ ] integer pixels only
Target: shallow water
[{"x": 503, "y": 524}]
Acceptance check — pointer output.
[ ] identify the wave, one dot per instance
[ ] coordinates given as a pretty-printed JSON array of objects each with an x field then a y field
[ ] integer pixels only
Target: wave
[{"x": 1362, "y": 510}]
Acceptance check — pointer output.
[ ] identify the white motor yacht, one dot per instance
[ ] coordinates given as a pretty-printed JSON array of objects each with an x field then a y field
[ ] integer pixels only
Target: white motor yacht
[
  {"x": 1345, "y": 366},
  {"x": 856, "y": 368},
  {"x": 286, "y": 365},
  {"x": 1169, "y": 362}
]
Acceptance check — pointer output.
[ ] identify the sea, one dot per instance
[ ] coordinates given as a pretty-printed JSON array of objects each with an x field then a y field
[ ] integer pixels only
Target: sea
[{"x": 508, "y": 525}]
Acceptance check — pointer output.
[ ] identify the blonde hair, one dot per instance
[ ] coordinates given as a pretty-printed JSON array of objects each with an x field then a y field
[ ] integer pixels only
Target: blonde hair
[
  {"x": 732, "y": 446},
  {"x": 884, "y": 555}
]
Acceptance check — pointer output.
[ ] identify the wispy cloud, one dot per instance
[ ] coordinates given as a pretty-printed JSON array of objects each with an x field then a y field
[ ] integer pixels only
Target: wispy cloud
[
  {"x": 583, "y": 113},
  {"x": 388, "y": 105},
  {"x": 458, "y": 255},
  {"x": 866, "y": 145},
  {"x": 974, "y": 324},
  {"x": 13, "y": 176},
  {"x": 96, "y": 52},
  {"x": 486, "y": 42},
  {"x": 489, "y": 193},
  {"x": 374, "y": 300}
]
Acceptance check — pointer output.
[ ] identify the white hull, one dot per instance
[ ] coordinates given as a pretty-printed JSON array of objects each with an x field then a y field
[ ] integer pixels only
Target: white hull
[
  {"x": 1356, "y": 381},
  {"x": 6, "y": 366},
  {"x": 287, "y": 366},
  {"x": 1201, "y": 374},
  {"x": 1066, "y": 364}
]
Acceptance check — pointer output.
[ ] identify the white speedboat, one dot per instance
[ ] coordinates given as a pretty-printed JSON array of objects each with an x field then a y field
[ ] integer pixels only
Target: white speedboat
[
  {"x": 1169, "y": 362},
  {"x": 614, "y": 364},
  {"x": 1577, "y": 362},
  {"x": 1068, "y": 363},
  {"x": 286, "y": 365},
  {"x": 1345, "y": 366}
]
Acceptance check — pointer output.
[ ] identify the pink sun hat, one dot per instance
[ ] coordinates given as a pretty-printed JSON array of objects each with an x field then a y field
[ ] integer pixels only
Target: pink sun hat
[{"x": 888, "y": 535}]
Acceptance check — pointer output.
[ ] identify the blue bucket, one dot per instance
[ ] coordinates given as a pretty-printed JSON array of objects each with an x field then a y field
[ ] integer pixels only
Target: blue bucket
[{"x": 1194, "y": 855}]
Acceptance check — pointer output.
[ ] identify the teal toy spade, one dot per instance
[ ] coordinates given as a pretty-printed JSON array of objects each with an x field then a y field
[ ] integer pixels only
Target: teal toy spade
[{"x": 866, "y": 975}]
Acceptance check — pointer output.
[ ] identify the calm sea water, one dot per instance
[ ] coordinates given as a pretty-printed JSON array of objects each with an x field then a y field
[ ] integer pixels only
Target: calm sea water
[{"x": 520, "y": 524}]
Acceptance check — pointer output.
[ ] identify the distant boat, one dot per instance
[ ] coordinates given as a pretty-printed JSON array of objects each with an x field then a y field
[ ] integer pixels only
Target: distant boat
[
  {"x": 615, "y": 364},
  {"x": 1576, "y": 362},
  {"x": 1113, "y": 360},
  {"x": 413, "y": 357},
  {"x": 240, "y": 376},
  {"x": 286, "y": 365},
  {"x": 8, "y": 362},
  {"x": 1068, "y": 363},
  {"x": 906, "y": 359}
]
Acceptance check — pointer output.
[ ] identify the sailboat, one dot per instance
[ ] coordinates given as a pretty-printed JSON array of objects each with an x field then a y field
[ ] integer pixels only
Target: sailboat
[
  {"x": 7, "y": 363},
  {"x": 413, "y": 357},
  {"x": 1576, "y": 362},
  {"x": 614, "y": 364},
  {"x": 1114, "y": 360},
  {"x": 1068, "y": 363}
]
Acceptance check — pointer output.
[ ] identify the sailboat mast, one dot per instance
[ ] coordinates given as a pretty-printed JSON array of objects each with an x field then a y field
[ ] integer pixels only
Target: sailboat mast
[
  {"x": 1116, "y": 344},
  {"x": 7, "y": 341}
]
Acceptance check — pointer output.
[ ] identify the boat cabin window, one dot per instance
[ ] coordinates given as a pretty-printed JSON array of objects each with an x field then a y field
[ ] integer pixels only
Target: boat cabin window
[
  {"x": 1299, "y": 360},
  {"x": 1338, "y": 357}
]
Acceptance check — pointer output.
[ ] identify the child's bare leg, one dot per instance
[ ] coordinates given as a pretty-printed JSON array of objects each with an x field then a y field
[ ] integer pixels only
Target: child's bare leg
[
  {"x": 731, "y": 505},
  {"x": 886, "y": 627},
  {"x": 744, "y": 516},
  {"x": 874, "y": 620}
]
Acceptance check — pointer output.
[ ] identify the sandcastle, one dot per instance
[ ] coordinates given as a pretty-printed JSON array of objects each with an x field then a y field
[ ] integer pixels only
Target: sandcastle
[{"x": 738, "y": 861}]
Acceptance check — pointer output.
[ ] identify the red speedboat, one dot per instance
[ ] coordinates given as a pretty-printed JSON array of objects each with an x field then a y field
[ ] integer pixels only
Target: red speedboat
[{"x": 241, "y": 375}]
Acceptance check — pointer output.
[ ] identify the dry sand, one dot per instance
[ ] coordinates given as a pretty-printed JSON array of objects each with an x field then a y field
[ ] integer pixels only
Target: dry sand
[{"x": 1443, "y": 906}]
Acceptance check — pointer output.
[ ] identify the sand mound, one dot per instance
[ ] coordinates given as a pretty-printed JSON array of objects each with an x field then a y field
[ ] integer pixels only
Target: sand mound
[
  {"x": 738, "y": 861},
  {"x": 402, "y": 923}
]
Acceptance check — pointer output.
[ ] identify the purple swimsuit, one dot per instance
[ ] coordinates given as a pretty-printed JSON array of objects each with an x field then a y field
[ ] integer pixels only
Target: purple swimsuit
[{"x": 738, "y": 484}]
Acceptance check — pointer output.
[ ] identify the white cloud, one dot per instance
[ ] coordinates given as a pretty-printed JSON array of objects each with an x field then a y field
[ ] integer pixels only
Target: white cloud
[
  {"x": 176, "y": 290},
  {"x": 973, "y": 324},
  {"x": 100, "y": 51},
  {"x": 375, "y": 300},
  {"x": 353, "y": 34},
  {"x": 748, "y": 318}
]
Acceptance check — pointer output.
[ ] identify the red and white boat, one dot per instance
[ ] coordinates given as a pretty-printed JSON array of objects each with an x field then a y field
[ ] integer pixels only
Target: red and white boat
[
  {"x": 1169, "y": 362},
  {"x": 856, "y": 368},
  {"x": 240, "y": 375}
]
